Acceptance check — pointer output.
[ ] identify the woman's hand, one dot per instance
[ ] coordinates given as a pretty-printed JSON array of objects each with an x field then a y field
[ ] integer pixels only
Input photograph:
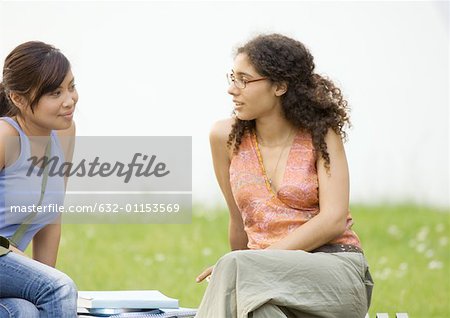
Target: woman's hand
[{"x": 205, "y": 274}]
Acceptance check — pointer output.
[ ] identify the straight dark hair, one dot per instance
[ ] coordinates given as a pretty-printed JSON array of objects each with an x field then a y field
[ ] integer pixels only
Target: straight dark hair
[{"x": 31, "y": 70}]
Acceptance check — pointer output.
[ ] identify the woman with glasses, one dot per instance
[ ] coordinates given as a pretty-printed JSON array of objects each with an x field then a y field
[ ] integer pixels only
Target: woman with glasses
[
  {"x": 37, "y": 98},
  {"x": 281, "y": 165}
]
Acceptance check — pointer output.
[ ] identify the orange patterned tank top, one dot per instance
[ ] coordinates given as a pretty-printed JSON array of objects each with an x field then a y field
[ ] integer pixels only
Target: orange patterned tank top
[{"x": 269, "y": 217}]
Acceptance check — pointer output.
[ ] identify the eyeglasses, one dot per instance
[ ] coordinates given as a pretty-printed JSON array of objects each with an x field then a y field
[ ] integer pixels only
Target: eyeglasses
[{"x": 240, "y": 82}]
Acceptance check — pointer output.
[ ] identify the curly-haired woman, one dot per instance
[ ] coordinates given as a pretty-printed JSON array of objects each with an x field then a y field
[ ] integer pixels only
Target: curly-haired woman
[{"x": 281, "y": 165}]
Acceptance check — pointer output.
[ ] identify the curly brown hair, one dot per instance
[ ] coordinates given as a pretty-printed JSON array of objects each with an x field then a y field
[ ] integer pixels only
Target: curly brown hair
[{"x": 311, "y": 102}]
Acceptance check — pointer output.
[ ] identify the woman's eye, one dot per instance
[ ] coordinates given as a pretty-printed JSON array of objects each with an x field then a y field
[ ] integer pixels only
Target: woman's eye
[
  {"x": 55, "y": 93},
  {"x": 72, "y": 87}
]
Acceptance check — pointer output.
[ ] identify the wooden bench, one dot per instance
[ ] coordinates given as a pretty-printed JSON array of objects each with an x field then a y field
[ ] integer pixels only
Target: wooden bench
[{"x": 384, "y": 315}]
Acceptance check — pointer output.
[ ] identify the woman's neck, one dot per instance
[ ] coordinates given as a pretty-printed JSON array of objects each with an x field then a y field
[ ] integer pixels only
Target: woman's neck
[
  {"x": 273, "y": 131},
  {"x": 31, "y": 129}
]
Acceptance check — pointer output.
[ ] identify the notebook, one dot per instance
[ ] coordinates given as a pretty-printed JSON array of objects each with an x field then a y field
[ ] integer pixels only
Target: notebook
[{"x": 125, "y": 299}]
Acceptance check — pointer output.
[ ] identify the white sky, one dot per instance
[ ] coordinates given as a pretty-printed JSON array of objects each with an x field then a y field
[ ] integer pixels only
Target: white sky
[{"x": 157, "y": 68}]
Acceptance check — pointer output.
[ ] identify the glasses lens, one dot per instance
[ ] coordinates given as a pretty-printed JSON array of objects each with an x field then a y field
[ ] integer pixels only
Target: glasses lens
[
  {"x": 237, "y": 82},
  {"x": 229, "y": 79}
]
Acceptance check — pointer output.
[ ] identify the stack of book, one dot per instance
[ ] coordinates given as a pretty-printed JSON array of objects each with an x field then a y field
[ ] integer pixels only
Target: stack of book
[{"x": 130, "y": 304}]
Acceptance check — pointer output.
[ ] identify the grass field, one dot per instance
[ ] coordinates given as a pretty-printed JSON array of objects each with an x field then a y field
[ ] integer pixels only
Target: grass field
[{"x": 407, "y": 247}]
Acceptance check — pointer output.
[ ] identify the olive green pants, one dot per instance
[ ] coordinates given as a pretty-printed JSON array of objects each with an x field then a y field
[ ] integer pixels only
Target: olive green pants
[{"x": 280, "y": 283}]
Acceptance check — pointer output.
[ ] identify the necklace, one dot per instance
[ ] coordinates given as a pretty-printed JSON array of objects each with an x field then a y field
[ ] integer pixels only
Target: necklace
[{"x": 267, "y": 179}]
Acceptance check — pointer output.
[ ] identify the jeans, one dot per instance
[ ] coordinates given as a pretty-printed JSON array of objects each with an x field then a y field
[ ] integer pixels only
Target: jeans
[{"x": 31, "y": 289}]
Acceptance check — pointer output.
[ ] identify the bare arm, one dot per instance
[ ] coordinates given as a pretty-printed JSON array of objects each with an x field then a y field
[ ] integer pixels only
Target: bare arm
[
  {"x": 46, "y": 243},
  {"x": 221, "y": 156},
  {"x": 7, "y": 131},
  {"x": 333, "y": 201}
]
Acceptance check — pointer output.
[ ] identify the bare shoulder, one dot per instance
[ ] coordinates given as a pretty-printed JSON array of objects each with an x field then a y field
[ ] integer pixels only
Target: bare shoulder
[
  {"x": 67, "y": 132},
  {"x": 220, "y": 130},
  {"x": 6, "y": 130},
  {"x": 333, "y": 140},
  {"x": 218, "y": 138}
]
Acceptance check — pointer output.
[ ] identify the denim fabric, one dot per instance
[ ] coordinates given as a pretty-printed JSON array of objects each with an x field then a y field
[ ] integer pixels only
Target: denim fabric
[
  {"x": 31, "y": 289},
  {"x": 17, "y": 308}
]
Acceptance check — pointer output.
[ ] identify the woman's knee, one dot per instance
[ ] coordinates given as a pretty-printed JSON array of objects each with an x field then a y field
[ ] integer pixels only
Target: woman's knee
[
  {"x": 230, "y": 259},
  {"x": 64, "y": 287},
  {"x": 242, "y": 256},
  {"x": 59, "y": 288}
]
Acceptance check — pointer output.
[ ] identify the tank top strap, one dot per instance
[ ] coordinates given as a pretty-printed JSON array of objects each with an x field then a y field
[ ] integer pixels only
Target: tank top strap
[{"x": 56, "y": 145}]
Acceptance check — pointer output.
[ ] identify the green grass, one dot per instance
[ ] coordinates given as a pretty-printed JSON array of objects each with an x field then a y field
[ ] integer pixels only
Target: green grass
[{"x": 407, "y": 247}]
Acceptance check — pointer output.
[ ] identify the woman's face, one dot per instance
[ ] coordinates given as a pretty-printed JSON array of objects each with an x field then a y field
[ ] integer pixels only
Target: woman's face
[
  {"x": 258, "y": 99},
  {"x": 54, "y": 110}
]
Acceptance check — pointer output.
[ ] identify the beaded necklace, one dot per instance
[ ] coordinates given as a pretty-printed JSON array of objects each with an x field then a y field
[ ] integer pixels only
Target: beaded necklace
[{"x": 267, "y": 180}]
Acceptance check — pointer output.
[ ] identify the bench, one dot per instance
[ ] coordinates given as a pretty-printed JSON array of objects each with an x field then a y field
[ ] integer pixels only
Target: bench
[{"x": 384, "y": 315}]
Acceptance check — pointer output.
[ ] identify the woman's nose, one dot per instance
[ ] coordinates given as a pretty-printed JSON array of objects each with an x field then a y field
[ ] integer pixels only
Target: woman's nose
[
  {"x": 232, "y": 89},
  {"x": 71, "y": 99}
]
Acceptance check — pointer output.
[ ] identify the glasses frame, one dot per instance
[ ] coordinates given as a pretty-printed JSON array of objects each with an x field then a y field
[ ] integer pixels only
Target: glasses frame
[{"x": 232, "y": 79}]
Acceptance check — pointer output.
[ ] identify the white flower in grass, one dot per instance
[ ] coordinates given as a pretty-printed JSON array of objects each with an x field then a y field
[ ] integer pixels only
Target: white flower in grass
[
  {"x": 206, "y": 251},
  {"x": 443, "y": 241},
  {"x": 382, "y": 260},
  {"x": 394, "y": 231},
  {"x": 90, "y": 233},
  {"x": 403, "y": 267},
  {"x": 159, "y": 257},
  {"x": 435, "y": 265},
  {"x": 440, "y": 227},
  {"x": 429, "y": 253},
  {"x": 384, "y": 274},
  {"x": 422, "y": 234},
  {"x": 421, "y": 247}
]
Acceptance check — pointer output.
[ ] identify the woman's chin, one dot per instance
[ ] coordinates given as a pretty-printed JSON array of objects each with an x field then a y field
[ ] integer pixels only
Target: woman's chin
[
  {"x": 243, "y": 115},
  {"x": 63, "y": 124}
]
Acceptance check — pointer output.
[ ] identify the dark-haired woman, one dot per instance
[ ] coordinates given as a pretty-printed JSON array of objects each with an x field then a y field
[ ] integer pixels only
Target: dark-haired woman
[
  {"x": 281, "y": 165},
  {"x": 37, "y": 98}
]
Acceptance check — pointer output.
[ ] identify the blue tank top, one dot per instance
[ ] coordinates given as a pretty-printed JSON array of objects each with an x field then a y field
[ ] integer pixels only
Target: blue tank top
[{"x": 23, "y": 191}]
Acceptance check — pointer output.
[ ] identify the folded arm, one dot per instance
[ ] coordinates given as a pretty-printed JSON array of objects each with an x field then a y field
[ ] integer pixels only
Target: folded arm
[{"x": 333, "y": 202}]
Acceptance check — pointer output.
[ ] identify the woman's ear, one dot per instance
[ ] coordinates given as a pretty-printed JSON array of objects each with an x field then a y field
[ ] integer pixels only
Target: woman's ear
[
  {"x": 280, "y": 88},
  {"x": 18, "y": 100}
]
